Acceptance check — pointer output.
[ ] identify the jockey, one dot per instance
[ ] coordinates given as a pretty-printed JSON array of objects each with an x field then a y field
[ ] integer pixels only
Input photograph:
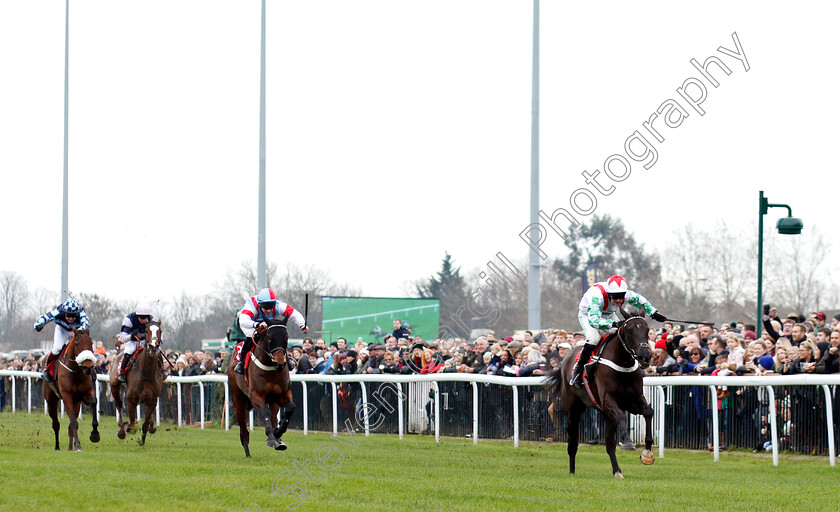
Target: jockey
[
  {"x": 597, "y": 311},
  {"x": 68, "y": 315},
  {"x": 132, "y": 333},
  {"x": 264, "y": 306}
]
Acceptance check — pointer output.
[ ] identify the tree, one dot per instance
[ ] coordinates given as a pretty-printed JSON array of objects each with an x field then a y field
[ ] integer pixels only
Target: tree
[
  {"x": 796, "y": 274},
  {"x": 448, "y": 286},
  {"x": 13, "y": 299},
  {"x": 603, "y": 241}
]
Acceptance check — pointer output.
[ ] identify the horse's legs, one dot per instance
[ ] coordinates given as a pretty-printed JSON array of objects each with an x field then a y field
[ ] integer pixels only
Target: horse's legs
[
  {"x": 276, "y": 443},
  {"x": 147, "y": 421},
  {"x": 241, "y": 409},
  {"x": 131, "y": 408},
  {"x": 52, "y": 407},
  {"x": 642, "y": 407},
  {"x": 611, "y": 416},
  {"x": 288, "y": 412},
  {"x": 573, "y": 428},
  {"x": 90, "y": 400},
  {"x": 72, "y": 410}
]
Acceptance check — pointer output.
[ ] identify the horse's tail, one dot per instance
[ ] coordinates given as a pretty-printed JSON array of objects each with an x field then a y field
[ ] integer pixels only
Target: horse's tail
[{"x": 554, "y": 381}]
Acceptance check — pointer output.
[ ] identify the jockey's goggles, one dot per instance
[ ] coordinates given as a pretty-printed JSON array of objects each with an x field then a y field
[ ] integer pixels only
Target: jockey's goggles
[{"x": 267, "y": 305}]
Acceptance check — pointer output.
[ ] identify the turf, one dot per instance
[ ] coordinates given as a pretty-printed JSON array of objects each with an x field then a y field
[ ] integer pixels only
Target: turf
[{"x": 191, "y": 469}]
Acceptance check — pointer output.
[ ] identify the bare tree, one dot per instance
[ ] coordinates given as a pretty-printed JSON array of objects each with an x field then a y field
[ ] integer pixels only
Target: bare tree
[
  {"x": 13, "y": 299},
  {"x": 796, "y": 271}
]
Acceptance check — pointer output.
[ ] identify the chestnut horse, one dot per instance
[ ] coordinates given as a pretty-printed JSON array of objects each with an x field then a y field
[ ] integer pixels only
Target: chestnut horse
[
  {"x": 616, "y": 386},
  {"x": 143, "y": 381},
  {"x": 74, "y": 383},
  {"x": 268, "y": 387}
]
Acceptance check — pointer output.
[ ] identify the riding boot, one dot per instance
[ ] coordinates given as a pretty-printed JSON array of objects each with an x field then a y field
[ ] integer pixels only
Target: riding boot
[
  {"x": 123, "y": 365},
  {"x": 577, "y": 373},
  {"x": 46, "y": 374},
  {"x": 240, "y": 366}
]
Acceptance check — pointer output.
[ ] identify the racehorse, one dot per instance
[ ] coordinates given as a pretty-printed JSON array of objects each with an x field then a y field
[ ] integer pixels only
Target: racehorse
[
  {"x": 616, "y": 387},
  {"x": 143, "y": 381},
  {"x": 74, "y": 383},
  {"x": 267, "y": 388}
]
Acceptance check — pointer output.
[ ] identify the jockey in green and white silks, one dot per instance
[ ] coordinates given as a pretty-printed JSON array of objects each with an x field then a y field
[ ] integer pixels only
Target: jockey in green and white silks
[{"x": 597, "y": 312}]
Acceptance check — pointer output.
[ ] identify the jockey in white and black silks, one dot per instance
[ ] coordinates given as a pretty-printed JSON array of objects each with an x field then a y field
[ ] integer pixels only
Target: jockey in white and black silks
[
  {"x": 133, "y": 334},
  {"x": 70, "y": 314},
  {"x": 259, "y": 308},
  {"x": 597, "y": 312}
]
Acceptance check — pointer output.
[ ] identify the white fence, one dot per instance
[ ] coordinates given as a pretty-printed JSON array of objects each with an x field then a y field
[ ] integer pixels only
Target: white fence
[{"x": 655, "y": 390}]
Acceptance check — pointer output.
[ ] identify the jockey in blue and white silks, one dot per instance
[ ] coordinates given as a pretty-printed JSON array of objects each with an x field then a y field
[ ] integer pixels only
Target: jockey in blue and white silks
[
  {"x": 70, "y": 314},
  {"x": 597, "y": 312},
  {"x": 259, "y": 308},
  {"x": 133, "y": 334}
]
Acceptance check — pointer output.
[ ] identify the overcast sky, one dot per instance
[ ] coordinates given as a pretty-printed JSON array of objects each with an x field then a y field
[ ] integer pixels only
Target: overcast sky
[{"x": 396, "y": 131}]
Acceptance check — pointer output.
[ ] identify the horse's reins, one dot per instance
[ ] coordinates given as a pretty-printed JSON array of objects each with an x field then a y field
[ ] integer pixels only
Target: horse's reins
[
  {"x": 64, "y": 357},
  {"x": 267, "y": 353}
]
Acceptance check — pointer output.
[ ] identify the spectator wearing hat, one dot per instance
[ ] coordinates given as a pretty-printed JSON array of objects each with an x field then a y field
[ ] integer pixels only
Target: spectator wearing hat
[
  {"x": 336, "y": 367},
  {"x": 835, "y": 321},
  {"x": 662, "y": 363},
  {"x": 376, "y": 359},
  {"x": 766, "y": 365},
  {"x": 563, "y": 350}
]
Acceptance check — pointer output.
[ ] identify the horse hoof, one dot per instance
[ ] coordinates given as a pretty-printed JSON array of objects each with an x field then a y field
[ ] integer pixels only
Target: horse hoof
[
  {"x": 646, "y": 457},
  {"x": 121, "y": 434},
  {"x": 281, "y": 446},
  {"x": 94, "y": 437},
  {"x": 618, "y": 474},
  {"x": 78, "y": 449},
  {"x": 152, "y": 429},
  {"x": 629, "y": 446},
  {"x": 271, "y": 443}
]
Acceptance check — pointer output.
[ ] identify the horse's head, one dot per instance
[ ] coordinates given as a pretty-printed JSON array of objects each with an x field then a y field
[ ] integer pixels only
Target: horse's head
[
  {"x": 274, "y": 340},
  {"x": 153, "y": 336},
  {"x": 634, "y": 337},
  {"x": 81, "y": 349}
]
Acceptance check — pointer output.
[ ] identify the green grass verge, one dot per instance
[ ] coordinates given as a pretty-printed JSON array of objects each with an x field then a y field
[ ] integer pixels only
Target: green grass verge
[{"x": 190, "y": 469}]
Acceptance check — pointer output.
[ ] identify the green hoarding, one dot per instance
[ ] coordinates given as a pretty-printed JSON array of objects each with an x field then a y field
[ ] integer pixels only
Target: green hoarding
[{"x": 370, "y": 318}]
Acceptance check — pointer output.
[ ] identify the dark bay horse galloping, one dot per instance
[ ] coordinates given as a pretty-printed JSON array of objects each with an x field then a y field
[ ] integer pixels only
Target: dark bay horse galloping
[
  {"x": 143, "y": 381},
  {"x": 268, "y": 387},
  {"x": 616, "y": 386},
  {"x": 74, "y": 383}
]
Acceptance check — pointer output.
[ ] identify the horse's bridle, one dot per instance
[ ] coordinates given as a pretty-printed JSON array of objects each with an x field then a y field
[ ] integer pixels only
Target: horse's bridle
[
  {"x": 622, "y": 338},
  {"x": 263, "y": 336}
]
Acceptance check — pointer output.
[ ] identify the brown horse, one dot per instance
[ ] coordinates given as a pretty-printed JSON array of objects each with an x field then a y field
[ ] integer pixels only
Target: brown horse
[
  {"x": 268, "y": 387},
  {"x": 143, "y": 381},
  {"x": 74, "y": 383},
  {"x": 616, "y": 386}
]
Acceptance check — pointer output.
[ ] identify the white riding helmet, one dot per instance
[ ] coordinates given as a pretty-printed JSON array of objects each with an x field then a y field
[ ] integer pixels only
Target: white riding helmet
[
  {"x": 143, "y": 309},
  {"x": 616, "y": 287}
]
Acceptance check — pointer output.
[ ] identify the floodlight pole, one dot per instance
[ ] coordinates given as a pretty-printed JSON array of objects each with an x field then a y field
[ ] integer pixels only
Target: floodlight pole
[
  {"x": 261, "y": 271},
  {"x": 533, "y": 256},
  {"x": 65, "y": 223}
]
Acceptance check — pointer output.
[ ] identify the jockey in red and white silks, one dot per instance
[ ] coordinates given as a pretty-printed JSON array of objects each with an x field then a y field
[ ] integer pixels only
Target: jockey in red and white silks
[
  {"x": 259, "y": 308},
  {"x": 597, "y": 312}
]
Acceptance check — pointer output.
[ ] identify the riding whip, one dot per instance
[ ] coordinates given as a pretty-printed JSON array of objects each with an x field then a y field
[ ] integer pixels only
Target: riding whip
[{"x": 688, "y": 322}]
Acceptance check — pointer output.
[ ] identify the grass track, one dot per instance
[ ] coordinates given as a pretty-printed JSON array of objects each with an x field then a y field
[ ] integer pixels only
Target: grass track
[{"x": 190, "y": 469}]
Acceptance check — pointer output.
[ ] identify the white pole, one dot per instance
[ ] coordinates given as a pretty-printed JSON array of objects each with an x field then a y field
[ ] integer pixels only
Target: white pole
[
  {"x": 773, "y": 429},
  {"x": 334, "y": 408},
  {"x": 516, "y": 412},
  {"x": 305, "y": 409},
  {"x": 178, "y": 384},
  {"x": 437, "y": 412},
  {"x": 400, "y": 412},
  {"x": 829, "y": 424},
  {"x": 261, "y": 267},
  {"x": 661, "y": 392},
  {"x": 201, "y": 394},
  {"x": 364, "y": 408},
  {"x": 29, "y": 395},
  {"x": 14, "y": 393},
  {"x": 227, "y": 411},
  {"x": 715, "y": 423},
  {"x": 475, "y": 412}
]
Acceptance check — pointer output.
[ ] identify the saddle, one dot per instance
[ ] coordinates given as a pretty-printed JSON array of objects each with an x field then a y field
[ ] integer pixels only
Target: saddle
[{"x": 51, "y": 366}]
